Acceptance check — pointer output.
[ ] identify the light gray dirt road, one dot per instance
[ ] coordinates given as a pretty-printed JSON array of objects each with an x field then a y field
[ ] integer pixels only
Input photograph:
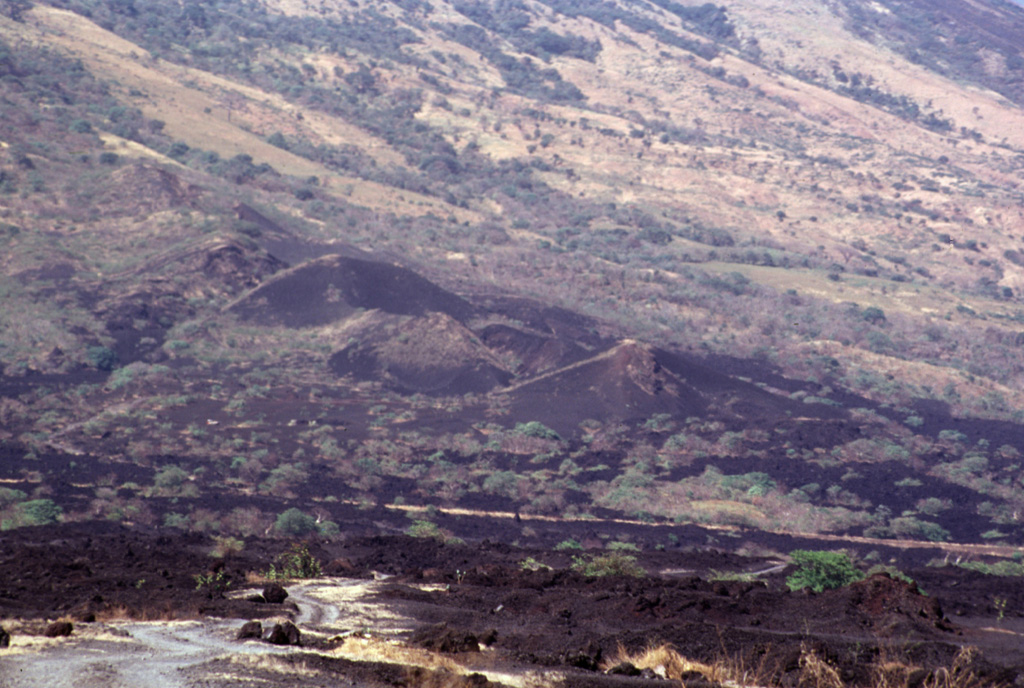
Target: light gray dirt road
[{"x": 166, "y": 654}]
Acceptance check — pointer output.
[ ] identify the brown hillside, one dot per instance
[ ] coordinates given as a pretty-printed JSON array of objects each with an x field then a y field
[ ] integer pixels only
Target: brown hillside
[
  {"x": 333, "y": 288},
  {"x": 432, "y": 354},
  {"x": 625, "y": 383}
]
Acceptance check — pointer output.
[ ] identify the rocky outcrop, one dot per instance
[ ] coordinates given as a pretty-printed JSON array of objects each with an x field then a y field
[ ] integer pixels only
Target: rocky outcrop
[
  {"x": 274, "y": 593},
  {"x": 284, "y": 634},
  {"x": 252, "y": 630},
  {"x": 59, "y": 629}
]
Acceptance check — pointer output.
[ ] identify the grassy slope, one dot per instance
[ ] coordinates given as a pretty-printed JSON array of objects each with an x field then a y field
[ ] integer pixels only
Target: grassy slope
[{"x": 220, "y": 115}]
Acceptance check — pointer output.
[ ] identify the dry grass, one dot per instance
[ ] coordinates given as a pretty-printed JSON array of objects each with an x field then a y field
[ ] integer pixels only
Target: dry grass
[
  {"x": 814, "y": 670},
  {"x": 958, "y": 674},
  {"x": 255, "y": 578},
  {"x": 192, "y": 103},
  {"x": 899, "y": 674},
  {"x": 120, "y": 612},
  {"x": 271, "y": 664},
  {"x": 393, "y": 652},
  {"x": 666, "y": 662}
]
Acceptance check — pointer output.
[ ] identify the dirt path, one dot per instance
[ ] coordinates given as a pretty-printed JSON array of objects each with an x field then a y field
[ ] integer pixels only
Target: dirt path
[
  {"x": 123, "y": 655},
  {"x": 132, "y": 654},
  {"x": 344, "y": 606}
]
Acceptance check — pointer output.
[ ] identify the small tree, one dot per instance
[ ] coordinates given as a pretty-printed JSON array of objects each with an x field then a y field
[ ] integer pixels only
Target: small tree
[
  {"x": 873, "y": 315},
  {"x": 39, "y": 512},
  {"x": 536, "y": 429},
  {"x": 295, "y": 522},
  {"x": 613, "y": 563},
  {"x": 821, "y": 570},
  {"x": 295, "y": 562},
  {"x": 425, "y": 529},
  {"x": 102, "y": 358}
]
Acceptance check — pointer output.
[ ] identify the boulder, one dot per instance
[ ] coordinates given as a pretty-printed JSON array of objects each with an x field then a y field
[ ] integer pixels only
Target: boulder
[
  {"x": 588, "y": 657},
  {"x": 624, "y": 669},
  {"x": 59, "y": 629},
  {"x": 251, "y": 629},
  {"x": 274, "y": 593},
  {"x": 284, "y": 634},
  {"x": 5, "y": 638}
]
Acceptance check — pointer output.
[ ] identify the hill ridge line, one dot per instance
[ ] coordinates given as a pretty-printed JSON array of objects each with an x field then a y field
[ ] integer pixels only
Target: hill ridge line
[{"x": 572, "y": 366}]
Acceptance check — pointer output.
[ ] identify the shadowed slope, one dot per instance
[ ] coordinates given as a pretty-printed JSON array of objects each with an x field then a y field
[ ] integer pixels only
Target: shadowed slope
[
  {"x": 334, "y": 287},
  {"x": 434, "y": 354},
  {"x": 624, "y": 383}
]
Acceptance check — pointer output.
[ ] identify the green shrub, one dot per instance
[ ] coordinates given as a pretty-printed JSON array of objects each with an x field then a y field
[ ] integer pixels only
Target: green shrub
[
  {"x": 999, "y": 568},
  {"x": 178, "y": 150},
  {"x": 609, "y": 564},
  {"x": 80, "y": 126},
  {"x": 531, "y": 564},
  {"x": 215, "y": 583},
  {"x": 295, "y": 522},
  {"x": 295, "y": 562},
  {"x": 873, "y": 314},
  {"x": 909, "y": 526},
  {"x": 424, "y": 529},
  {"x": 536, "y": 429},
  {"x": 39, "y": 512},
  {"x": 175, "y": 520},
  {"x": 225, "y": 546},
  {"x": 10, "y": 496},
  {"x": 502, "y": 483},
  {"x": 101, "y": 357},
  {"x": 567, "y": 545},
  {"x": 170, "y": 478},
  {"x": 820, "y": 570}
]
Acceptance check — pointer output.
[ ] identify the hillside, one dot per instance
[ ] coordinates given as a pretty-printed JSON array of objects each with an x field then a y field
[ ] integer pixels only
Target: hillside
[
  {"x": 758, "y": 265},
  {"x": 550, "y": 331}
]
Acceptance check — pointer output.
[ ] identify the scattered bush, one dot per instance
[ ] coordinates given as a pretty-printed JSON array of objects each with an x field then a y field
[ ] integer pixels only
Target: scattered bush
[
  {"x": 536, "y": 429},
  {"x": 101, "y": 357},
  {"x": 295, "y": 562},
  {"x": 820, "y": 570},
  {"x": 216, "y": 583},
  {"x": 296, "y": 523},
  {"x": 39, "y": 512},
  {"x": 873, "y": 315},
  {"x": 424, "y": 529},
  {"x": 568, "y": 545},
  {"x": 225, "y": 546},
  {"x": 10, "y": 496},
  {"x": 531, "y": 564},
  {"x": 609, "y": 564}
]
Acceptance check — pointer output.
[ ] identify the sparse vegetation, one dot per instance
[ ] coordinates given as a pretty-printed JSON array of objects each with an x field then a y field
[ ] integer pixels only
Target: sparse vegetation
[
  {"x": 613, "y": 563},
  {"x": 215, "y": 583},
  {"x": 821, "y": 570},
  {"x": 576, "y": 317},
  {"x": 295, "y": 523},
  {"x": 294, "y": 563}
]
